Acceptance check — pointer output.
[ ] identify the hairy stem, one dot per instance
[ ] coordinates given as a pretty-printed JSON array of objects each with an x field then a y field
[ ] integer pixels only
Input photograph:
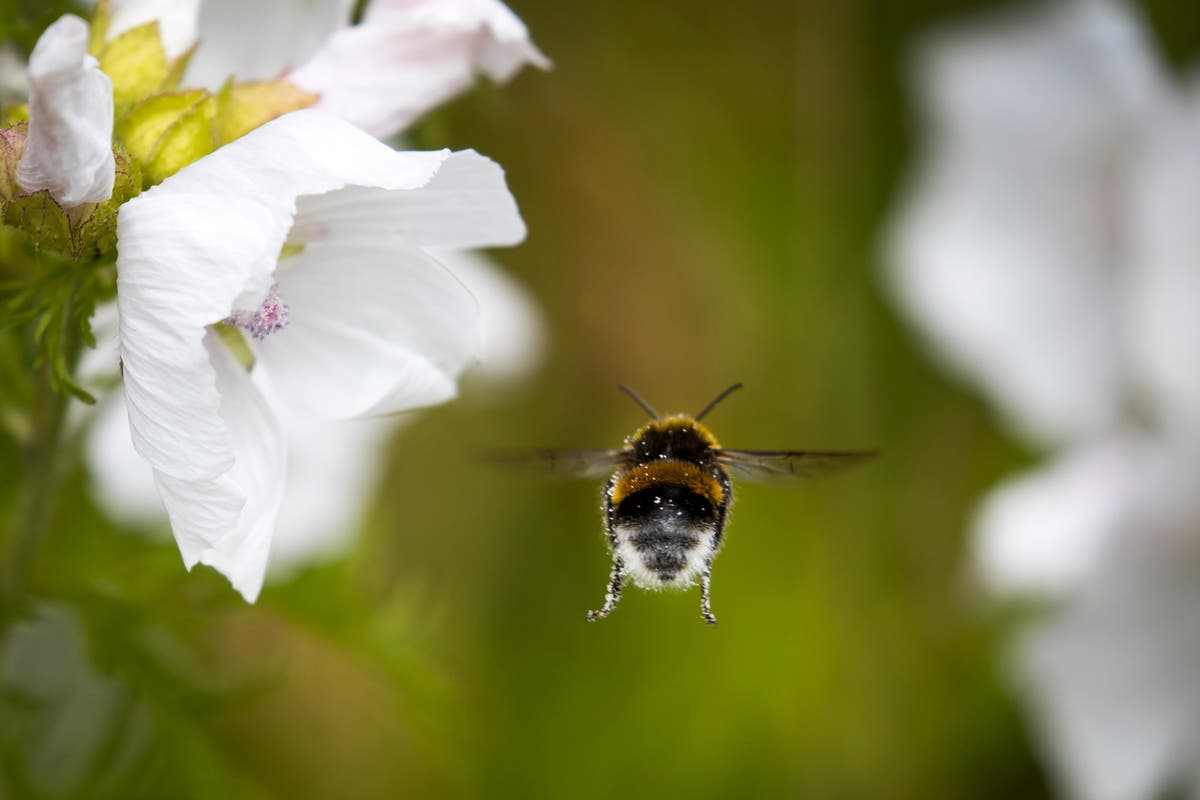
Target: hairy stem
[{"x": 42, "y": 460}]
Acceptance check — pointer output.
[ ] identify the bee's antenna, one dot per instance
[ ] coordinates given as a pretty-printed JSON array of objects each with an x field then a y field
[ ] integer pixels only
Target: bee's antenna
[
  {"x": 718, "y": 399},
  {"x": 645, "y": 406}
]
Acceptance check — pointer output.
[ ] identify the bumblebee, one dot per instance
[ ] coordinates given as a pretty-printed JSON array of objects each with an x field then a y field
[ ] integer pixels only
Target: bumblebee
[{"x": 667, "y": 501}]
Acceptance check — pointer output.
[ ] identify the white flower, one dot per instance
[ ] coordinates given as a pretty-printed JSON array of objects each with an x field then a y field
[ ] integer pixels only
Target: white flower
[
  {"x": 312, "y": 237},
  {"x": 1009, "y": 248},
  {"x": 333, "y": 467},
  {"x": 14, "y": 80},
  {"x": 69, "y": 147},
  {"x": 404, "y": 59},
  {"x": 1047, "y": 247},
  {"x": 408, "y": 57}
]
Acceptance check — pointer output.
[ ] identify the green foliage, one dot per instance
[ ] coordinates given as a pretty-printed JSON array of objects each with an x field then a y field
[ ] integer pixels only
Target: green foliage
[
  {"x": 22, "y": 21},
  {"x": 85, "y": 232},
  {"x": 137, "y": 65},
  {"x": 242, "y": 107},
  {"x": 167, "y": 131},
  {"x": 54, "y": 302}
]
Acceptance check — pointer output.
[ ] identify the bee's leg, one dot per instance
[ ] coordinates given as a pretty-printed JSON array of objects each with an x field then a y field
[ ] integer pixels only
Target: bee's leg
[
  {"x": 705, "y": 600},
  {"x": 614, "y": 591}
]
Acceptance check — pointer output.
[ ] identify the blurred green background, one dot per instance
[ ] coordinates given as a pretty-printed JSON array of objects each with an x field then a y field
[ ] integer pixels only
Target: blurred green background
[{"x": 704, "y": 183}]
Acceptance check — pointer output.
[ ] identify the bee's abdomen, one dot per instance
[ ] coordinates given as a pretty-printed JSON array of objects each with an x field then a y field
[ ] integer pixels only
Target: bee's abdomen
[
  {"x": 666, "y": 507},
  {"x": 667, "y": 530}
]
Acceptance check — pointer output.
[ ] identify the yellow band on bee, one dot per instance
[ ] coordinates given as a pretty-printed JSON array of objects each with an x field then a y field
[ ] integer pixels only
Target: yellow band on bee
[{"x": 668, "y": 472}]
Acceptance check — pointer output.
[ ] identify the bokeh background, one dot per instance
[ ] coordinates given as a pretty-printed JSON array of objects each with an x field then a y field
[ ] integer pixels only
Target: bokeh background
[{"x": 705, "y": 184}]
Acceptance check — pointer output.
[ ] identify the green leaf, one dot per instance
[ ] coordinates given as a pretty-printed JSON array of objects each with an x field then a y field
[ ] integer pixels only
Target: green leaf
[
  {"x": 96, "y": 230},
  {"x": 137, "y": 64},
  {"x": 43, "y": 219},
  {"x": 168, "y": 131},
  {"x": 242, "y": 107},
  {"x": 98, "y": 31},
  {"x": 177, "y": 68}
]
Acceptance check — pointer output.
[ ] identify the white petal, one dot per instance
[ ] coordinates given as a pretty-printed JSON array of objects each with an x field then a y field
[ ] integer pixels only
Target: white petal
[
  {"x": 333, "y": 470},
  {"x": 1007, "y": 246},
  {"x": 1112, "y": 682},
  {"x": 1164, "y": 280},
  {"x": 303, "y": 153},
  {"x": 513, "y": 325},
  {"x": 465, "y": 204},
  {"x": 384, "y": 326},
  {"x": 69, "y": 149},
  {"x": 261, "y": 39},
  {"x": 408, "y": 57},
  {"x": 227, "y": 522},
  {"x": 176, "y": 21},
  {"x": 183, "y": 261},
  {"x": 1048, "y": 531},
  {"x": 121, "y": 482}
]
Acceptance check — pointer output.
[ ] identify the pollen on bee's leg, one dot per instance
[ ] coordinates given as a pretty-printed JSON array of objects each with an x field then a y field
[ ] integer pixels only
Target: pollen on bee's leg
[
  {"x": 613, "y": 594},
  {"x": 268, "y": 318},
  {"x": 705, "y": 597}
]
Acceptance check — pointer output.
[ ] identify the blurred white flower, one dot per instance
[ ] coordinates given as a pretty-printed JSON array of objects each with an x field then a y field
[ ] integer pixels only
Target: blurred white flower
[
  {"x": 14, "y": 79},
  {"x": 311, "y": 237},
  {"x": 405, "y": 58},
  {"x": 1047, "y": 248},
  {"x": 1010, "y": 249},
  {"x": 69, "y": 147}
]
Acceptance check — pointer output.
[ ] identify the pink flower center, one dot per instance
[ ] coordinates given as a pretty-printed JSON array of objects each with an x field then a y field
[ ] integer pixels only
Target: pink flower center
[{"x": 271, "y": 316}]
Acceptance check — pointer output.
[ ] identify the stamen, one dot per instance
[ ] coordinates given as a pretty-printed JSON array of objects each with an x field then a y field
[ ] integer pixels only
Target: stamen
[{"x": 268, "y": 318}]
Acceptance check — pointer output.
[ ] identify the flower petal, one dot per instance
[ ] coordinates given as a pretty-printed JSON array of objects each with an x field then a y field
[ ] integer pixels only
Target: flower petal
[
  {"x": 1164, "y": 280},
  {"x": 121, "y": 482},
  {"x": 303, "y": 153},
  {"x": 333, "y": 470},
  {"x": 383, "y": 324},
  {"x": 408, "y": 57},
  {"x": 183, "y": 261},
  {"x": 1003, "y": 250},
  {"x": 513, "y": 327},
  {"x": 1111, "y": 683},
  {"x": 1048, "y": 531},
  {"x": 227, "y": 522},
  {"x": 14, "y": 81},
  {"x": 259, "y": 40},
  {"x": 69, "y": 148},
  {"x": 464, "y": 204},
  {"x": 176, "y": 21}
]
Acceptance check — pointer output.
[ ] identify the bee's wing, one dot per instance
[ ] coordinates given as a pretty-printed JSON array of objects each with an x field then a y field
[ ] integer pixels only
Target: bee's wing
[
  {"x": 776, "y": 465},
  {"x": 570, "y": 463}
]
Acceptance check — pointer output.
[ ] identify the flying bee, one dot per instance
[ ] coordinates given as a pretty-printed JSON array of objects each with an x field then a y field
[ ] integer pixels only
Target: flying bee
[{"x": 667, "y": 500}]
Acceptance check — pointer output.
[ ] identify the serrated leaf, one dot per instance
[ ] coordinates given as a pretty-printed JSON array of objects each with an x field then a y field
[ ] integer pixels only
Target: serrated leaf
[
  {"x": 43, "y": 219},
  {"x": 137, "y": 64},
  {"x": 242, "y": 107},
  {"x": 169, "y": 131},
  {"x": 96, "y": 231}
]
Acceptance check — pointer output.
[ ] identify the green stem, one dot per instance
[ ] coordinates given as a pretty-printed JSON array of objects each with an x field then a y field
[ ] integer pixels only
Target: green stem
[{"x": 42, "y": 461}]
